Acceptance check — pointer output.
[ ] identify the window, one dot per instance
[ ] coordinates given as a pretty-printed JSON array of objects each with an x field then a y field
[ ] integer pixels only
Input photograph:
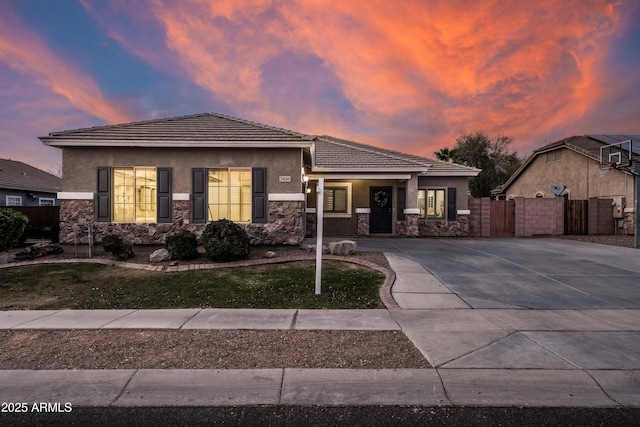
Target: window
[
  {"x": 46, "y": 201},
  {"x": 539, "y": 195},
  {"x": 14, "y": 200},
  {"x": 432, "y": 204},
  {"x": 229, "y": 194},
  {"x": 335, "y": 199},
  {"x": 134, "y": 194}
]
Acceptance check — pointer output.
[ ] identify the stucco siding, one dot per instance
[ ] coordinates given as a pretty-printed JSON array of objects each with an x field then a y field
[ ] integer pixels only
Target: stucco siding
[
  {"x": 577, "y": 172},
  {"x": 459, "y": 182},
  {"x": 80, "y": 164}
]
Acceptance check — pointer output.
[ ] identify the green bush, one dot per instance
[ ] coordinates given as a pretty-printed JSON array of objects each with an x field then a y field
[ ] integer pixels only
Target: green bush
[
  {"x": 183, "y": 245},
  {"x": 116, "y": 247},
  {"x": 225, "y": 240},
  {"x": 12, "y": 225}
]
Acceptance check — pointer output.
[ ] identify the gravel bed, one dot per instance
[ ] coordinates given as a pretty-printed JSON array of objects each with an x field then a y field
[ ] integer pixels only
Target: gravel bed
[
  {"x": 282, "y": 254},
  {"x": 206, "y": 349},
  {"x": 615, "y": 240}
]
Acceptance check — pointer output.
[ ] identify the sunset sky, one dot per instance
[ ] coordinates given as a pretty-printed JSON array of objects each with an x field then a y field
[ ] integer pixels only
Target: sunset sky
[{"x": 406, "y": 75}]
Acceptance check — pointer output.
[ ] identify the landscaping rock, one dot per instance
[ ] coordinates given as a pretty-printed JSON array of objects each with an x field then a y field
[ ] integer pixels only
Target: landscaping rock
[
  {"x": 160, "y": 255},
  {"x": 343, "y": 247},
  {"x": 39, "y": 250},
  {"x": 312, "y": 249},
  {"x": 270, "y": 254}
]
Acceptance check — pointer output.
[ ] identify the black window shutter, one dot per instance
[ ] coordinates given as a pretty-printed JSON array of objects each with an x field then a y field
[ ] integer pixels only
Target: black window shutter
[
  {"x": 199, "y": 195},
  {"x": 451, "y": 204},
  {"x": 259, "y": 199},
  {"x": 164, "y": 207},
  {"x": 402, "y": 202},
  {"x": 103, "y": 206}
]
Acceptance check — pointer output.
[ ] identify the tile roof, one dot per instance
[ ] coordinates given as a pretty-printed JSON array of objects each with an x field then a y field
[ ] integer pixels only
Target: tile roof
[
  {"x": 333, "y": 153},
  {"x": 21, "y": 176},
  {"x": 211, "y": 130},
  {"x": 206, "y": 127}
]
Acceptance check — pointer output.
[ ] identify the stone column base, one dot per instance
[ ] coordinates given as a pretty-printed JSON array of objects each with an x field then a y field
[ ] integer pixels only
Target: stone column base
[{"x": 363, "y": 220}]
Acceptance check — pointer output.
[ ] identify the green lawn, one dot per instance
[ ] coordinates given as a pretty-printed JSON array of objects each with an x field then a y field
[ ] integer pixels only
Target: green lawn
[{"x": 96, "y": 286}]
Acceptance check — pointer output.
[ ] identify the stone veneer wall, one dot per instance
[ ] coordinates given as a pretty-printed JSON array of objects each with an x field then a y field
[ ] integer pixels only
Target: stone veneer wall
[
  {"x": 75, "y": 212},
  {"x": 414, "y": 227},
  {"x": 285, "y": 226}
]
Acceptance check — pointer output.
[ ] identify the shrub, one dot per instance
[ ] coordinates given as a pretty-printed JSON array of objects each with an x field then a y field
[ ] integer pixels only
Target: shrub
[
  {"x": 183, "y": 245},
  {"x": 225, "y": 240},
  {"x": 12, "y": 225},
  {"x": 116, "y": 247}
]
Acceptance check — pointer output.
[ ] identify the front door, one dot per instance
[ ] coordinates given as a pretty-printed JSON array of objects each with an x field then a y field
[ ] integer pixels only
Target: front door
[{"x": 381, "y": 210}]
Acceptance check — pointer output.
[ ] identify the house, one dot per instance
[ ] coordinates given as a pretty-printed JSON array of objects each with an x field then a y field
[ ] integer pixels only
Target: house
[
  {"x": 24, "y": 185},
  {"x": 147, "y": 179},
  {"x": 571, "y": 166}
]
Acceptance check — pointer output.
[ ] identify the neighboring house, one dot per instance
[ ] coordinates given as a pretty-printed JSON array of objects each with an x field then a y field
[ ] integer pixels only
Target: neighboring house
[
  {"x": 24, "y": 185},
  {"x": 572, "y": 164},
  {"x": 147, "y": 179}
]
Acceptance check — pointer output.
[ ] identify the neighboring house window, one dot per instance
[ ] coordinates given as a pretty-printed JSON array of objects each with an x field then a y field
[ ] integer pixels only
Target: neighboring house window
[
  {"x": 46, "y": 201},
  {"x": 134, "y": 194},
  {"x": 336, "y": 199},
  {"x": 554, "y": 156},
  {"x": 229, "y": 194},
  {"x": 438, "y": 203},
  {"x": 14, "y": 200}
]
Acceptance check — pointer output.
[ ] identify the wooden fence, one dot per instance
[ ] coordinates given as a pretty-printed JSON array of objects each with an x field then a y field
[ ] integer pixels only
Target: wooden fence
[{"x": 43, "y": 216}]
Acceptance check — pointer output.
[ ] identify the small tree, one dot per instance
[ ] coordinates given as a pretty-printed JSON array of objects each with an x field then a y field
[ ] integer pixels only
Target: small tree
[
  {"x": 12, "y": 225},
  {"x": 225, "y": 240},
  {"x": 494, "y": 158}
]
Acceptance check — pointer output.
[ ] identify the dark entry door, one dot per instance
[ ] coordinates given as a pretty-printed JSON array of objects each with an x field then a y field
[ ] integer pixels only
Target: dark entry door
[{"x": 381, "y": 210}]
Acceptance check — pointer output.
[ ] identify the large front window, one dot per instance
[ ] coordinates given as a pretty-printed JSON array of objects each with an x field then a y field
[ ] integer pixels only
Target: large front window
[
  {"x": 431, "y": 204},
  {"x": 229, "y": 194},
  {"x": 134, "y": 194}
]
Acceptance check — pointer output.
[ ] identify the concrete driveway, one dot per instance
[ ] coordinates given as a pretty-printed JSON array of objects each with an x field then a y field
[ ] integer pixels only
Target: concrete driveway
[{"x": 526, "y": 273}]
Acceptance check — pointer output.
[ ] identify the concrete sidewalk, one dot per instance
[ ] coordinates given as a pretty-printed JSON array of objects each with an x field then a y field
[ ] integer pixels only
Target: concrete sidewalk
[{"x": 482, "y": 357}]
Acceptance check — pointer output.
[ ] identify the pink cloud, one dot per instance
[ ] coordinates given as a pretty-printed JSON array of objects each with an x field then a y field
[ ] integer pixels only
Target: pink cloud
[
  {"x": 26, "y": 53},
  {"x": 415, "y": 74}
]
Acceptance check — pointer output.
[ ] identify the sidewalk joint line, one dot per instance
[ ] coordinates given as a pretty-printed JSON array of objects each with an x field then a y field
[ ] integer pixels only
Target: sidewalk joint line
[
  {"x": 294, "y": 320},
  {"x": 191, "y": 318},
  {"x": 124, "y": 388}
]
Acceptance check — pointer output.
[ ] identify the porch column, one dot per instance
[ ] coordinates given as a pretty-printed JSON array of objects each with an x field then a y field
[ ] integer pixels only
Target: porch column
[
  {"x": 412, "y": 192},
  {"x": 363, "y": 217},
  {"x": 411, "y": 220}
]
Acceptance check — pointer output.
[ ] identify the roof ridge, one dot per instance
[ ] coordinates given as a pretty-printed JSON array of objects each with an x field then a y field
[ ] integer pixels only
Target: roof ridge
[
  {"x": 189, "y": 116},
  {"x": 137, "y": 122},
  {"x": 262, "y": 125}
]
